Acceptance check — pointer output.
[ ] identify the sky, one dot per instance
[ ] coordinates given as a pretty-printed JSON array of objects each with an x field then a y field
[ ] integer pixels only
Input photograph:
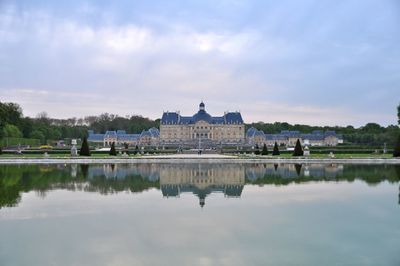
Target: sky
[{"x": 332, "y": 62}]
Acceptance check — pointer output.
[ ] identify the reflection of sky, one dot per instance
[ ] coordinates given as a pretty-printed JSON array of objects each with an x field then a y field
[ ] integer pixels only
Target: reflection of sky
[{"x": 321, "y": 223}]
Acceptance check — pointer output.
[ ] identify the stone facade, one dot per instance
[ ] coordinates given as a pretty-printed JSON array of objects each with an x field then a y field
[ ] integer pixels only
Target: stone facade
[
  {"x": 289, "y": 138},
  {"x": 146, "y": 138},
  {"x": 201, "y": 129}
]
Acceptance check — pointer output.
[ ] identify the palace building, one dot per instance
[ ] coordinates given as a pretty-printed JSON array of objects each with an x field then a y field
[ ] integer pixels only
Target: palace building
[
  {"x": 202, "y": 129},
  {"x": 119, "y": 137},
  {"x": 289, "y": 138}
]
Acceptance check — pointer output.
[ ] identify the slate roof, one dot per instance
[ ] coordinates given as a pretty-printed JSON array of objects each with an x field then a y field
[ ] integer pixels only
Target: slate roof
[
  {"x": 95, "y": 137},
  {"x": 285, "y": 134},
  {"x": 121, "y": 135},
  {"x": 174, "y": 118},
  {"x": 253, "y": 132}
]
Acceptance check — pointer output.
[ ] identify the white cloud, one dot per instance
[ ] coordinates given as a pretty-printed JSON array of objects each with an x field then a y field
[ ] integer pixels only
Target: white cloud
[{"x": 115, "y": 64}]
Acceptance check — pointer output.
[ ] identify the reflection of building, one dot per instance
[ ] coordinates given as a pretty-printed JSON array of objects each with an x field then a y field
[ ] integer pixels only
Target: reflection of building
[
  {"x": 293, "y": 171},
  {"x": 202, "y": 129},
  {"x": 202, "y": 180},
  {"x": 289, "y": 138},
  {"x": 146, "y": 138},
  {"x": 205, "y": 179},
  {"x": 122, "y": 171}
]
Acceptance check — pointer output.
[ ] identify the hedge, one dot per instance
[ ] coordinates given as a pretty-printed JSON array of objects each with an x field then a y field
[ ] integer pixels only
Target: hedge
[{"x": 19, "y": 141}]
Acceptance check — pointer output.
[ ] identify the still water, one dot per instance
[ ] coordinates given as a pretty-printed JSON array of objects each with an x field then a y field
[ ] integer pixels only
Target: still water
[{"x": 199, "y": 214}]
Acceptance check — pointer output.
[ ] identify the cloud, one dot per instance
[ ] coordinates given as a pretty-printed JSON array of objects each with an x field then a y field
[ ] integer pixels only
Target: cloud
[{"x": 131, "y": 62}]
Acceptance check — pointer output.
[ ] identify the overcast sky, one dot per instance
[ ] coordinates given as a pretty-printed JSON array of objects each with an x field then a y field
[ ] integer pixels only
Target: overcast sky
[{"x": 315, "y": 62}]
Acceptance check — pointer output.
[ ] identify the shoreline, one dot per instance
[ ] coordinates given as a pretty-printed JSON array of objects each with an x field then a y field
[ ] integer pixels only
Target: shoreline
[{"x": 198, "y": 159}]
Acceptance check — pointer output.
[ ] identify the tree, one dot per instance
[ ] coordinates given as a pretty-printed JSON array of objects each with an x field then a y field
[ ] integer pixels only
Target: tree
[
  {"x": 276, "y": 150},
  {"x": 85, "y": 151},
  {"x": 10, "y": 113},
  {"x": 398, "y": 114},
  {"x": 396, "y": 151},
  {"x": 126, "y": 146},
  {"x": 264, "y": 150},
  {"x": 113, "y": 152},
  {"x": 37, "y": 134},
  {"x": 11, "y": 131},
  {"x": 136, "y": 149},
  {"x": 256, "y": 150},
  {"x": 298, "y": 150}
]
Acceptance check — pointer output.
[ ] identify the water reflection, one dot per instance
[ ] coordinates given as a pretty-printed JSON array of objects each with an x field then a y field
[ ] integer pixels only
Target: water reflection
[
  {"x": 175, "y": 179},
  {"x": 202, "y": 180}
]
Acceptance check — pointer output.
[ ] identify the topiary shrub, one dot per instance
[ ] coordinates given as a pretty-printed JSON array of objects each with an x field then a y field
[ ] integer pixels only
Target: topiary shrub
[
  {"x": 264, "y": 150},
  {"x": 298, "y": 150},
  {"x": 276, "y": 150},
  {"x": 257, "y": 150},
  {"x": 136, "y": 150},
  {"x": 396, "y": 151},
  {"x": 113, "y": 152},
  {"x": 85, "y": 151},
  {"x": 126, "y": 146}
]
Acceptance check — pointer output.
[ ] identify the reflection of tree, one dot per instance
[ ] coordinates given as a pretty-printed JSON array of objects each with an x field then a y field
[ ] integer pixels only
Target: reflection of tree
[
  {"x": 84, "y": 170},
  {"x": 298, "y": 168},
  {"x": 9, "y": 196},
  {"x": 397, "y": 169},
  {"x": 286, "y": 174},
  {"x": 15, "y": 179}
]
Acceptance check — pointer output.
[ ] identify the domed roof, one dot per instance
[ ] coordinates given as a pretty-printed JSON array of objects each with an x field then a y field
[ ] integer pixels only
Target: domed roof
[{"x": 202, "y": 115}]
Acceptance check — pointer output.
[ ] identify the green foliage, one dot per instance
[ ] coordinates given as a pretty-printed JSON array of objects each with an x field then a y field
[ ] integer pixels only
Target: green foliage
[
  {"x": 38, "y": 134},
  {"x": 396, "y": 151},
  {"x": 10, "y": 113},
  {"x": 298, "y": 150},
  {"x": 11, "y": 131},
  {"x": 264, "y": 150},
  {"x": 85, "y": 151},
  {"x": 113, "y": 152},
  {"x": 131, "y": 124},
  {"x": 276, "y": 150},
  {"x": 19, "y": 141}
]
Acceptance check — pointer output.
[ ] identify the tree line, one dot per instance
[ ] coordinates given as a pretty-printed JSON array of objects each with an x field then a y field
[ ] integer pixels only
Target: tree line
[{"x": 14, "y": 124}]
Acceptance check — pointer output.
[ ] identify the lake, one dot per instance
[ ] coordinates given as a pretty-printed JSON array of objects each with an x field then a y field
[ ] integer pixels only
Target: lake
[{"x": 199, "y": 214}]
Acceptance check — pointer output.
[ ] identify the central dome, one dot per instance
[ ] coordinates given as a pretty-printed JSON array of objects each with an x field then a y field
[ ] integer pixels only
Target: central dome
[{"x": 202, "y": 115}]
